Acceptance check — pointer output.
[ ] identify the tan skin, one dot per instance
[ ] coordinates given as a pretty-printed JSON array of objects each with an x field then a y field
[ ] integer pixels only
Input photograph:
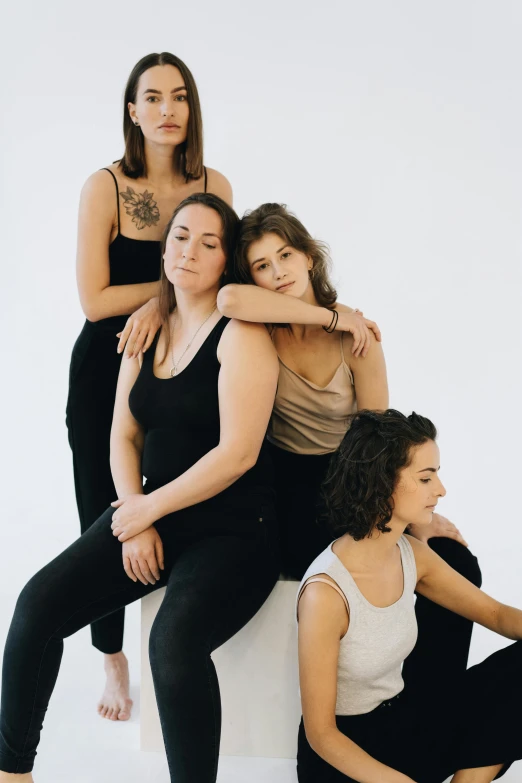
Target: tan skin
[
  {"x": 376, "y": 568},
  {"x": 283, "y": 293},
  {"x": 161, "y": 101},
  {"x": 247, "y": 384}
]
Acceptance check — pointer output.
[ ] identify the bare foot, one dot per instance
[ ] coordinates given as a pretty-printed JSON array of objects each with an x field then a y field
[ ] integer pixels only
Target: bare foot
[
  {"x": 115, "y": 703},
  {"x": 8, "y": 777}
]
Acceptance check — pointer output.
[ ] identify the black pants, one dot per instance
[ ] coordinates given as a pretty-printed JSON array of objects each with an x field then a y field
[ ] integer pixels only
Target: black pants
[
  {"x": 474, "y": 722},
  {"x": 92, "y": 388},
  {"x": 220, "y": 566}
]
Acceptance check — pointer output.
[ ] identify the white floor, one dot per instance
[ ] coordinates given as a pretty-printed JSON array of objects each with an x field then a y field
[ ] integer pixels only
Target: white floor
[{"x": 79, "y": 746}]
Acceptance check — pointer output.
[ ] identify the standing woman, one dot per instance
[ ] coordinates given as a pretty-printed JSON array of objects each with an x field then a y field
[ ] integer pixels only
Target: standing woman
[
  {"x": 330, "y": 365},
  {"x": 124, "y": 209}
]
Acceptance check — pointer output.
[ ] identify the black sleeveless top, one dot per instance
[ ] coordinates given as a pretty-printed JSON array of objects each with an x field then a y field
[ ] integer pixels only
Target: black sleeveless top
[
  {"x": 180, "y": 417},
  {"x": 131, "y": 261}
]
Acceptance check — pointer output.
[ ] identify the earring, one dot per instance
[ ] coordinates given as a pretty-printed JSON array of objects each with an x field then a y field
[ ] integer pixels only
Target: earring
[{"x": 136, "y": 122}]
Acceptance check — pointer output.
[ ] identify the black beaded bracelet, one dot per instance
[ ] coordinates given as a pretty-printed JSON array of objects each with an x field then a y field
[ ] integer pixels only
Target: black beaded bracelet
[{"x": 333, "y": 323}]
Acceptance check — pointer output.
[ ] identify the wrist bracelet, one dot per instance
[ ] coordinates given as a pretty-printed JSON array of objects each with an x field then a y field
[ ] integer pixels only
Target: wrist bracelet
[{"x": 333, "y": 323}]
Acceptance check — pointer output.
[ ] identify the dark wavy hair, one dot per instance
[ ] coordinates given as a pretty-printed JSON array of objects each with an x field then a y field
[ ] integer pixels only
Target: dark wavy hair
[
  {"x": 189, "y": 155},
  {"x": 277, "y": 219},
  {"x": 230, "y": 224},
  {"x": 363, "y": 473}
]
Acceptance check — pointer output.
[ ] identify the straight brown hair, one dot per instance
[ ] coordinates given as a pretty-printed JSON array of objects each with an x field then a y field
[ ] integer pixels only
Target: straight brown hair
[
  {"x": 189, "y": 155},
  {"x": 277, "y": 219}
]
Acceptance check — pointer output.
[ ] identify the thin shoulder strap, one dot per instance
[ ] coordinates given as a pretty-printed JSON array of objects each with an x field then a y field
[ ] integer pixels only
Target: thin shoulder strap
[
  {"x": 342, "y": 348},
  {"x": 205, "y": 170},
  {"x": 326, "y": 582},
  {"x": 117, "y": 194}
]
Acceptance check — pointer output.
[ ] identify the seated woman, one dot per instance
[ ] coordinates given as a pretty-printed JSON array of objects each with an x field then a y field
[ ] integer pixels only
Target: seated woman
[
  {"x": 192, "y": 419},
  {"x": 330, "y": 364},
  {"x": 362, "y": 719}
]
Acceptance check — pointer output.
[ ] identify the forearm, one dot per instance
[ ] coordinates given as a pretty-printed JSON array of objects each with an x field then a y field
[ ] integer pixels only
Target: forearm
[
  {"x": 125, "y": 463},
  {"x": 250, "y": 303},
  {"x": 118, "y": 300},
  {"x": 212, "y": 474},
  {"x": 509, "y": 622},
  {"x": 350, "y": 759}
]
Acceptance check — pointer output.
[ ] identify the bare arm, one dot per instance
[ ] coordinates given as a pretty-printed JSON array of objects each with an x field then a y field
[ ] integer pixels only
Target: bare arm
[
  {"x": 95, "y": 223},
  {"x": 369, "y": 375},
  {"x": 323, "y": 622},
  {"x": 441, "y": 584},
  {"x": 251, "y": 303},
  {"x": 126, "y": 435}
]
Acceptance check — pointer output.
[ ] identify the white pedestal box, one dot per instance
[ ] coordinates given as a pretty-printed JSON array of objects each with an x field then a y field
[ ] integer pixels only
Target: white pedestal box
[{"x": 258, "y": 678}]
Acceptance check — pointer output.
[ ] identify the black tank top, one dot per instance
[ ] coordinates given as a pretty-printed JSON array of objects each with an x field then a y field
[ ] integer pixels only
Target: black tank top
[
  {"x": 130, "y": 261},
  {"x": 180, "y": 417}
]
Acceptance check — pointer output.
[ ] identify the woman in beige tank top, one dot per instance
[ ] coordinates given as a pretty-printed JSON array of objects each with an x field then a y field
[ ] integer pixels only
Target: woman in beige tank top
[{"x": 330, "y": 364}]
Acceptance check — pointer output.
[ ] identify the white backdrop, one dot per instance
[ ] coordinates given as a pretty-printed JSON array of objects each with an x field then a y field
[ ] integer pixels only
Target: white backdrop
[{"x": 393, "y": 130}]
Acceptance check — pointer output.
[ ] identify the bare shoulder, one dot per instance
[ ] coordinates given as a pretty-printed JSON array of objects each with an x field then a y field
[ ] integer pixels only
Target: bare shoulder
[
  {"x": 424, "y": 556},
  {"x": 218, "y": 184},
  {"x": 100, "y": 185},
  {"x": 252, "y": 340},
  {"x": 322, "y": 606}
]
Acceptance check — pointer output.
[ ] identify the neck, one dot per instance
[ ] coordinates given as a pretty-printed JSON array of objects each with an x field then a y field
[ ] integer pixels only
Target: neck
[
  {"x": 192, "y": 309},
  {"x": 302, "y": 331},
  {"x": 373, "y": 552},
  {"x": 162, "y": 165}
]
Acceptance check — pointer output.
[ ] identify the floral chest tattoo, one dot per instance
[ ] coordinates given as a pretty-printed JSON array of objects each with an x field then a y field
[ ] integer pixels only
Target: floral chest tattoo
[{"x": 141, "y": 207}]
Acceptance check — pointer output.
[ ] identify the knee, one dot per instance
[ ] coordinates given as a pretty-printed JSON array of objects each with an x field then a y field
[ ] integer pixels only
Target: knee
[
  {"x": 458, "y": 557},
  {"x": 175, "y": 647}
]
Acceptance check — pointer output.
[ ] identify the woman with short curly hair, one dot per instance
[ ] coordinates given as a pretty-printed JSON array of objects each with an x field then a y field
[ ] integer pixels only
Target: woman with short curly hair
[{"x": 363, "y": 718}]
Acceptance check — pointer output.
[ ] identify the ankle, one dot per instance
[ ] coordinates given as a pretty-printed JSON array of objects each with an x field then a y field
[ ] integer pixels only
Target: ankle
[{"x": 110, "y": 659}]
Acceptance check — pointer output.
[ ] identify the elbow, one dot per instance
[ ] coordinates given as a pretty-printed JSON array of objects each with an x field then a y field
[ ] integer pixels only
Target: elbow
[
  {"x": 91, "y": 312},
  {"x": 318, "y": 739},
  {"x": 227, "y": 300},
  {"x": 240, "y": 462}
]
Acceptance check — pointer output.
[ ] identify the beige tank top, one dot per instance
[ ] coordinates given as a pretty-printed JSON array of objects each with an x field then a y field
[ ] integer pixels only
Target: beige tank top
[
  {"x": 369, "y": 666},
  {"x": 310, "y": 419}
]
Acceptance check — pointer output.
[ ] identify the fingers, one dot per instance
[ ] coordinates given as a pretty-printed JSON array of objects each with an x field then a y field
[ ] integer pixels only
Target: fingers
[
  {"x": 128, "y": 568},
  {"x": 117, "y": 503},
  {"x": 148, "y": 342},
  {"x": 139, "y": 342},
  {"x": 137, "y": 571},
  {"x": 362, "y": 343},
  {"x": 374, "y": 328},
  {"x": 129, "y": 350},
  {"x": 124, "y": 335},
  {"x": 159, "y": 553},
  {"x": 146, "y": 568}
]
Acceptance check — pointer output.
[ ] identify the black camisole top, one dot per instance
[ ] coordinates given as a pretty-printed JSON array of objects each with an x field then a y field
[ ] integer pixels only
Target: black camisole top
[{"x": 180, "y": 417}]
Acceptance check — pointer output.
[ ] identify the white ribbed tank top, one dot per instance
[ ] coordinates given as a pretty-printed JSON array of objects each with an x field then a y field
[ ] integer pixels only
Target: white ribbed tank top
[{"x": 378, "y": 638}]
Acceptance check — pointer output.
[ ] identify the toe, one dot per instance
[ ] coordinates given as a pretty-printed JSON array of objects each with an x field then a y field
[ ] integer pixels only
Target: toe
[{"x": 114, "y": 715}]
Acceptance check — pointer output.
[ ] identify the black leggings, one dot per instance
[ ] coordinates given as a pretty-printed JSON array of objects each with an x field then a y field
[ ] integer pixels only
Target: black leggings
[
  {"x": 93, "y": 377},
  {"x": 220, "y": 566},
  {"x": 471, "y": 722}
]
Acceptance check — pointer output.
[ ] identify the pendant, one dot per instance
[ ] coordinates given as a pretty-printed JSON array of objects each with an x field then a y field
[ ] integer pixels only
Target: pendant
[{"x": 173, "y": 371}]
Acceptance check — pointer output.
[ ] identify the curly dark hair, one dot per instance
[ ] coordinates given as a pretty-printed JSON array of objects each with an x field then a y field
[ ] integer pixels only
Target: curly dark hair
[
  {"x": 363, "y": 473},
  {"x": 277, "y": 219}
]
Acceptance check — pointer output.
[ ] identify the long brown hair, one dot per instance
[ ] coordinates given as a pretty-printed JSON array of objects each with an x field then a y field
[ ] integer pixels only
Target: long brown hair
[
  {"x": 189, "y": 155},
  {"x": 230, "y": 224},
  {"x": 277, "y": 219}
]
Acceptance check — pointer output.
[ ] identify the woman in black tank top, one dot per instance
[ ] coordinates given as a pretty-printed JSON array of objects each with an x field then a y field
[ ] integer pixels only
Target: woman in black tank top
[
  {"x": 192, "y": 419},
  {"x": 118, "y": 272}
]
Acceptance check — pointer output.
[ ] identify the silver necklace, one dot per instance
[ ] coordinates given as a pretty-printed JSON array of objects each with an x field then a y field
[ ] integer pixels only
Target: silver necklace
[{"x": 175, "y": 364}]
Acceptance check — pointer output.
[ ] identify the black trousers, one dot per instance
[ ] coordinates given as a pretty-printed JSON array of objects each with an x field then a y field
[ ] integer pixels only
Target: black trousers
[
  {"x": 93, "y": 377},
  {"x": 472, "y": 722},
  {"x": 220, "y": 566}
]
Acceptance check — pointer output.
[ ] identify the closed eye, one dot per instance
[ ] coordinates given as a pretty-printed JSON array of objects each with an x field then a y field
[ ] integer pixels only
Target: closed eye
[{"x": 425, "y": 480}]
